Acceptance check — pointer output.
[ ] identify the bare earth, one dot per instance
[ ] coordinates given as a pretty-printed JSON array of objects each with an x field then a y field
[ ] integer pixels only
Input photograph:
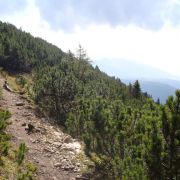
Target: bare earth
[{"x": 56, "y": 155}]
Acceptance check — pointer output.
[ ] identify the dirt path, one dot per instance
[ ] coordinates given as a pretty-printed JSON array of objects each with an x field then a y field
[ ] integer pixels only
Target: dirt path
[{"x": 57, "y": 155}]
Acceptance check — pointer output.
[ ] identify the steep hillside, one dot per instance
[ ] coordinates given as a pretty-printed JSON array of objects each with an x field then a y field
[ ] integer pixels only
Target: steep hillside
[
  {"x": 125, "y": 133},
  {"x": 51, "y": 153},
  {"x": 19, "y": 51}
]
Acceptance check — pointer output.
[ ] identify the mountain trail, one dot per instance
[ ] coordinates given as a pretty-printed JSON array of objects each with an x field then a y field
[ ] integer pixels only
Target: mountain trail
[{"x": 56, "y": 155}]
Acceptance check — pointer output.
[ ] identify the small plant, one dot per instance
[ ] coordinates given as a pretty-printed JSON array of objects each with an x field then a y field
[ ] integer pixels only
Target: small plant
[
  {"x": 21, "y": 81},
  {"x": 1, "y": 161},
  {"x": 3, "y": 116},
  {"x": 21, "y": 153},
  {"x": 27, "y": 172},
  {"x": 2, "y": 125},
  {"x": 25, "y": 176},
  {"x": 11, "y": 162},
  {"x": 31, "y": 167},
  {"x": 4, "y": 148}
]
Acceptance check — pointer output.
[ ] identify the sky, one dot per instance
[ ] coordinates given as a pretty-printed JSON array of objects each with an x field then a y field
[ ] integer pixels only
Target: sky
[{"x": 111, "y": 31}]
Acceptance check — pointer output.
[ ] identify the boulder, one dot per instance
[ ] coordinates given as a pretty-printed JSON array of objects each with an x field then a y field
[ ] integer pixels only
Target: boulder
[
  {"x": 7, "y": 88},
  {"x": 68, "y": 139},
  {"x": 30, "y": 128}
]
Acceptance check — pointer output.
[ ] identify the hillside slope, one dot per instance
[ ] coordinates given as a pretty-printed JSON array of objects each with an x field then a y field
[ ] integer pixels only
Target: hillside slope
[
  {"x": 125, "y": 133},
  {"x": 56, "y": 155}
]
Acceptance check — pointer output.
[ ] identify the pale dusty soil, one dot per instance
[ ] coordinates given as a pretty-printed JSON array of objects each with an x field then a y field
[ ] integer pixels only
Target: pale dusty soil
[{"x": 56, "y": 155}]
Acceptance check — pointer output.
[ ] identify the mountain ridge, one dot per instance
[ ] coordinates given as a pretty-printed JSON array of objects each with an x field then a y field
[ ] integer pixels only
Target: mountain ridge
[
  {"x": 124, "y": 132},
  {"x": 128, "y": 69},
  {"x": 157, "y": 89}
]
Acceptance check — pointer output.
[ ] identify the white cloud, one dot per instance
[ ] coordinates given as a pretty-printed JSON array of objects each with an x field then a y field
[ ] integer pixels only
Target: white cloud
[
  {"x": 143, "y": 13},
  {"x": 28, "y": 19},
  {"x": 156, "y": 48}
]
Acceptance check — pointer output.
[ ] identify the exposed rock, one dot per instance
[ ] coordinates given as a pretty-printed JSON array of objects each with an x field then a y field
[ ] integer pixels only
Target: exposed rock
[
  {"x": 57, "y": 144},
  {"x": 82, "y": 178},
  {"x": 6, "y": 87},
  {"x": 54, "y": 178},
  {"x": 37, "y": 130},
  {"x": 48, "y": 155},
  {"x": 78, "y": 164},
  {"x": 47, "y": 141},
  {"x": 28, "y": 107},
  {"x": 34, "y": 140},
  {"x": 58, "y": 134},
  {"x": 75, "y": 147},
  {"x": 27, "y": 114},
  {"x": 57, "y": 165},
  {"x": 67, "y": 168},
  {"x": 77, "y": 169},
  {"x": 30, "y": 128},
  {"x": 47, "y": 149},
  {"x": 19, "y": 104},
  {"x": 68, "y": 139},
  {"x": 22, "y": 92},
  {"x": 23, "y": 124},
  {"x": 41, "y": 129},
  {"x": 36, "y": 160},
  {"x": 43, "y": 165}
]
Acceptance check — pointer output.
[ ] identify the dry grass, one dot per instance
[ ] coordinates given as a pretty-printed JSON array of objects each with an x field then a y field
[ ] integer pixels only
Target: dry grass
[{"x": 12, "y": 80}]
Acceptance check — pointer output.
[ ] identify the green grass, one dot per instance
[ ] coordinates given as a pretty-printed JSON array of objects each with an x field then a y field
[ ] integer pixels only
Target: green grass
[{"x": 13, "y": 164}]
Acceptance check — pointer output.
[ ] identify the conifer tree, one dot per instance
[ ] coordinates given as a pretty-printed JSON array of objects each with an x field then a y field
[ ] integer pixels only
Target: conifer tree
[
  {"x": 153, "y": 156},
  {"x": 136, "y": 91},
  {"x": 171, "y": 132}
]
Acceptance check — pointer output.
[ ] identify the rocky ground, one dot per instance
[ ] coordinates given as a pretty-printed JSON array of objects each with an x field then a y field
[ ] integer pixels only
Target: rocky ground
[{"x": 56, "y": 155}]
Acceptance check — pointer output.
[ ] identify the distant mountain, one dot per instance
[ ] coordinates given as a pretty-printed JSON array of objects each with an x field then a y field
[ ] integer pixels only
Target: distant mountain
[
  {"x": 155, "y": 89},
  {"x": 157, "y": 83},
  {"x": 171, "y": 82},
  {"x": 127, "y": 69}
]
